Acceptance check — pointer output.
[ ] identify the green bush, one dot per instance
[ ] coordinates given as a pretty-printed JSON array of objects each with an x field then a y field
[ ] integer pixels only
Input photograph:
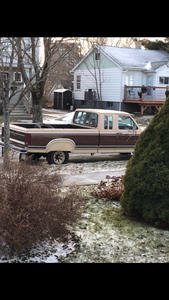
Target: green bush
[{"x": 146, "y": 181}]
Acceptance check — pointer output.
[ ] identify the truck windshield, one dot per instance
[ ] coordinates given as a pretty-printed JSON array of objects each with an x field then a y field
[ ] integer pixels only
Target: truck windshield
[{"x": 86, "y": 118}]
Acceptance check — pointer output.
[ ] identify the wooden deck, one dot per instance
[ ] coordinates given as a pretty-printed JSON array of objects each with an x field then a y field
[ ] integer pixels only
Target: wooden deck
[{"x": 144, "y": 101}]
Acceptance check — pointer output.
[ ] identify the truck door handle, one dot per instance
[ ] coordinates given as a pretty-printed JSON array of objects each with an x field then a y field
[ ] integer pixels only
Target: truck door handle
[{"x": 118, "y": 134}]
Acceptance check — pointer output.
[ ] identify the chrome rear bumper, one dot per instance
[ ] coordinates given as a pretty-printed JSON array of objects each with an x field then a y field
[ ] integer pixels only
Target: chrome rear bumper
[{"x": 14, "y": 147}]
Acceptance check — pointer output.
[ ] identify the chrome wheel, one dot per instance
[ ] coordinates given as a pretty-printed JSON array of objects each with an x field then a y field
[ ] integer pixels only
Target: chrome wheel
[{"x": 59, "y": 157}]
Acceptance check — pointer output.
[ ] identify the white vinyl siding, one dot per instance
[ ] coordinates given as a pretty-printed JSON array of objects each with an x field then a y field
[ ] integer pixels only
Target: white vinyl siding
[
  {"x": 164, "y": 73},
  {"x": 111, "y": 83}
]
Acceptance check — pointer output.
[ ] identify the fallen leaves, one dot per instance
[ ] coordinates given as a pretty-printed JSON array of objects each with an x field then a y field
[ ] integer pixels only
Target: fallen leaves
[{"x": 110, "y": 189}]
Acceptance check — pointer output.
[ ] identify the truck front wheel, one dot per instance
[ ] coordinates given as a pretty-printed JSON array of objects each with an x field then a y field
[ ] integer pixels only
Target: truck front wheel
[{"x": 57, "y": 157}]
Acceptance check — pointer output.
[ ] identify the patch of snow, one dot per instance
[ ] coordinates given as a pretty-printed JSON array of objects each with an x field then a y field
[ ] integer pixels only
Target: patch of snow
[
  {"x": 106, "y": 237},
  {"x": 49, "y": 251},
  {"x": 89, "y": 167},
  {"x": 145, "y": 119},
  {"x": 49, "y": 119},
  {"x": 53, "y": 110}
]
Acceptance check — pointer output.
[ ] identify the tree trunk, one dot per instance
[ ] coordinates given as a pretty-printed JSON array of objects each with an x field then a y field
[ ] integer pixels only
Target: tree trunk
[
  {"x": 6, "y": 133},
  {"x": 37, "y": 95},
  {"x": 37, "y": 113}
]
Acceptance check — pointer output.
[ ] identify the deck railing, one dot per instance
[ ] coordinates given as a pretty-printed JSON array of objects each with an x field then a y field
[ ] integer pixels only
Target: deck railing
[{"x": 153, "y": 93}]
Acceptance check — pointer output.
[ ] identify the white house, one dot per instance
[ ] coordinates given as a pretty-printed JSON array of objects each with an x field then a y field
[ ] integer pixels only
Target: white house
[{"x": 105, "y": 70}]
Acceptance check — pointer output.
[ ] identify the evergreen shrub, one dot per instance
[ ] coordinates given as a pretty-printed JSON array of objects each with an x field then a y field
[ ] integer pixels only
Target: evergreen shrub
[{"x": 146, "y": 181}]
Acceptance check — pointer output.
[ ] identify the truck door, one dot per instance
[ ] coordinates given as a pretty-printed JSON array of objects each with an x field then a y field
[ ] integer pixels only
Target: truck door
[
  {"x": 107, "y": 134},
  {"x": 126, "y": 131}
]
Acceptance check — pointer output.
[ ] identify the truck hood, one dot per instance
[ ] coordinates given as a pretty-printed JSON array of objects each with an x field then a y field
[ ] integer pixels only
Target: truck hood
[{"x": 143, "y": 127}]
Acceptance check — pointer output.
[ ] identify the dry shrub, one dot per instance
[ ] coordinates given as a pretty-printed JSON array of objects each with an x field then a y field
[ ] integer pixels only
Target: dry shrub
[
  {"x": 31, "y": 207},
  {"x": 112, "y": 188}
]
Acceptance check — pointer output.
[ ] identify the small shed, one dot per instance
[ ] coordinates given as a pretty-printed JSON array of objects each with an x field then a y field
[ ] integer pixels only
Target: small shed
[{"x": 62, "y": 99}]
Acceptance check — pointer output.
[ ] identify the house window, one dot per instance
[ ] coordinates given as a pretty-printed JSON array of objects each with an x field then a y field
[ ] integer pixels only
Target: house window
[
  {"x": 78, "y": 82},
  {"x": 163, "y": 80},
  {"x": 109, "y": 104},
  {"x": 5, "y": 44},
  {"x": 4, "y": 75},
  {"x": 26, "y": 44},
  {"x": 129, "y": 80},
  {"x": 17, "y": 77},
  {"x": 97, "y": 56}
]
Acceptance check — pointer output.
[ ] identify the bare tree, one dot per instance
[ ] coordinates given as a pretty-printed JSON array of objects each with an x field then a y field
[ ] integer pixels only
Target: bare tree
[
  {"x": 125, "y": 42},
  {"x": 8, "y": 86},
  {"x": 24, "y": 53},
  {"x": 88, "y": 42},
  {"x": 95, "y": 68},
  {"x": 95, "y": 65},
  {"x": 40, "y": 71},
  {"x": 60, "y": 75}
]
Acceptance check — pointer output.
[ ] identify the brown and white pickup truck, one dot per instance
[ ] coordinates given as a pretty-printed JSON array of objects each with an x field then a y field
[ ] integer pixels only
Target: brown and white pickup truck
[{"x": 91, "y": 131}]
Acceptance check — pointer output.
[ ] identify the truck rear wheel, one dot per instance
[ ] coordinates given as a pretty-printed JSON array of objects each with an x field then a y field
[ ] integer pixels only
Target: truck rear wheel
[{"x": 57, "y": 157}]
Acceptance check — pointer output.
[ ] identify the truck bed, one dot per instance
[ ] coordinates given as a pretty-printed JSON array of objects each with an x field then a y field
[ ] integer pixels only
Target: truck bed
[
  {"x": 55, "y": 126},
  {"x": 40, "y": 134}
]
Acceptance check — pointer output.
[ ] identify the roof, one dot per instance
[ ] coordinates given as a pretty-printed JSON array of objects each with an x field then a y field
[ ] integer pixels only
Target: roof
[
  {"x": 61, "y": 90},
  {"x": 103, "y": 111},
  {"x": 135, "y": 59}
]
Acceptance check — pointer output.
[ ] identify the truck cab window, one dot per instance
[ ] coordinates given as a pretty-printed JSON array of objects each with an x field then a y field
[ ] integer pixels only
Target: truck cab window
[
  {"x": 126, "y": 123},
  {"x": 86, "y": 119},
  {"x": 108, "y": 122},
  {"x": 105, "y": 122}
]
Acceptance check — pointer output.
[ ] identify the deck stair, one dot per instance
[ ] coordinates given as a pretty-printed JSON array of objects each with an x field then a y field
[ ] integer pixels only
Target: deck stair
[{"x": 19, "y": 112}]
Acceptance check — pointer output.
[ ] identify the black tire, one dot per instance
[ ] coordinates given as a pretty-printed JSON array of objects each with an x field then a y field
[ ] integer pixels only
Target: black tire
[{"x": 57, "y": 157}]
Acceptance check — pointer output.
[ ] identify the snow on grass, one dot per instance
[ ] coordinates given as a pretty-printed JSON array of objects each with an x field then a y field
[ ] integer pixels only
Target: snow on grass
[
  {"x": 109, "y": 164},
  {"x": 145, "y": 119},
  {"x": 103, "y": 234},
  {"x": 49, "y": 251},
  {"x": 107, "y": 235}
]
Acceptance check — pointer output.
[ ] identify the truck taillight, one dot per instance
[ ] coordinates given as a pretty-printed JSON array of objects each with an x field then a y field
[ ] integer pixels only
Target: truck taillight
[{"x": 27, "y": 139}]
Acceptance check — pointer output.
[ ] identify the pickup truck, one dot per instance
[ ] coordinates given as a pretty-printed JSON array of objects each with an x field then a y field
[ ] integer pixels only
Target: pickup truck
[{"x": 91, "y": 131}]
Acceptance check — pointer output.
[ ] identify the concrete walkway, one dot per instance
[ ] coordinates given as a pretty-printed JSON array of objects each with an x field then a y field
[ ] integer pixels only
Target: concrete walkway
[{"x": 89, "y": 178}]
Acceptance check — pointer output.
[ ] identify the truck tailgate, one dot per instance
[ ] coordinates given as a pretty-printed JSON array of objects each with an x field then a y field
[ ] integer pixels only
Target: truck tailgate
[{"x": 17, "y": 137}]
